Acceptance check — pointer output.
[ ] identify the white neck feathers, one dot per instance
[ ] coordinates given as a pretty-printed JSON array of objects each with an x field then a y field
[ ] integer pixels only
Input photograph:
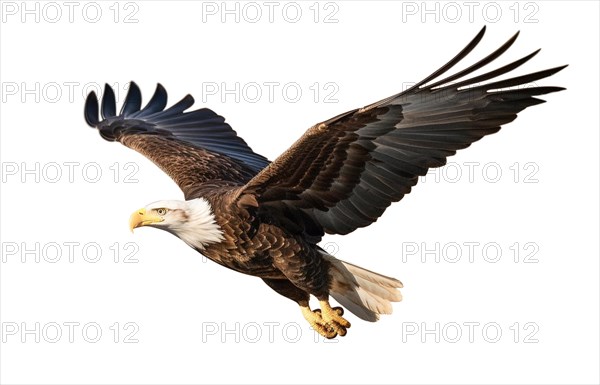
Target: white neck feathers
[{"x": 199, "y": 229}]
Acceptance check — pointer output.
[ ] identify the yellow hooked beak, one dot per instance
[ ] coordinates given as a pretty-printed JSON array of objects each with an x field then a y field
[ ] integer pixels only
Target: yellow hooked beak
[{"x": 141, "y": 218}]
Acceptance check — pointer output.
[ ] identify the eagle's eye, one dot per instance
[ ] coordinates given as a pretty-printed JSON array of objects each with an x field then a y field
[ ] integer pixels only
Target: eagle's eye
[{"x": 161, "y": 211}]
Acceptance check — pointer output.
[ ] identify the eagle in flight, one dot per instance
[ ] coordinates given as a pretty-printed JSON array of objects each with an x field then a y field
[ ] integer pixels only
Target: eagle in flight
[{"x": 266, "y": 218}]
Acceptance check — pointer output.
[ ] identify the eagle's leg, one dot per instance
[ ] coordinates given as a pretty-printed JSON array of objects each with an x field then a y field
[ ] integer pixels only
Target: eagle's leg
[
  {"x": 314, "y": 318},
  {"x": 309, "y": 272}
]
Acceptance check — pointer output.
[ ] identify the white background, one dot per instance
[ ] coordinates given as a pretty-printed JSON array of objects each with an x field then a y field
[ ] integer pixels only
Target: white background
[{"x": 180, "y": 306}]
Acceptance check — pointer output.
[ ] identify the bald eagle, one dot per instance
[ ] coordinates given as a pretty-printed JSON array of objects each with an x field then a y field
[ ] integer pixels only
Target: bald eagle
[{"x": 266, "y": 218}]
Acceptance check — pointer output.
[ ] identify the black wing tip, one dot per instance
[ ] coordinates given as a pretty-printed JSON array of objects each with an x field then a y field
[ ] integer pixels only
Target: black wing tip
[
  {"x": 108, "y": 89},
  {"x": 552, "y": 71},
  {"x": 474, "y": 67},
  {"x": 157, "y": 102},
  {"x": 133, "y": 100},
  {"x": 109, "y": 103},
  {"x": 560, "y": 68},
  {"x": 159, "y": 90},
  {"x": 456, "y": 59},
  {"x": 132, "y": 90},
  {"x": 479, "y": 36},
  {"x": 91, "y": 110},
  {"x": 513, "y": 38},
  {"x": 188, "y": 100},
  {"x": 96, "y": 110}
]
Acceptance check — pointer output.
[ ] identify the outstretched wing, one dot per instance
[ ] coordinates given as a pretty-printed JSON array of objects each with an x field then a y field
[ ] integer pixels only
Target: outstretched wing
[
  {"x": 345, "y": 172},
  {"x": 191, "y": 147}
]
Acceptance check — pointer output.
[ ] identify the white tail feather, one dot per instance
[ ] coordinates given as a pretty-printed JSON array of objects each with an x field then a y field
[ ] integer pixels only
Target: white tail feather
[{"x": 365, "y": 293}]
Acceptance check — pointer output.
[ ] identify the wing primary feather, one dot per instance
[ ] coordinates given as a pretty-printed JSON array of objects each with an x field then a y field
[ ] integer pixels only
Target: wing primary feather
[
  {"x": 461, "y": 55},
  {"x": 519, "y": 80},
  {"x": 175, "y": 109},
  {"x": 109, "y": 104},
  {"x": 133, "y": 100},
  {"x": 157, "y": 103},
  {"x": 91, "y": 110},
  {"x": 495, "y": 73},
  {"x": 488, "y": 59},
  {"x": 527, "y": 92}
]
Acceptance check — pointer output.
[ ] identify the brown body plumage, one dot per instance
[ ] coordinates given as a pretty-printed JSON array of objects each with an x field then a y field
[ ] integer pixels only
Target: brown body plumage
[{"x": 266, "y": 218}]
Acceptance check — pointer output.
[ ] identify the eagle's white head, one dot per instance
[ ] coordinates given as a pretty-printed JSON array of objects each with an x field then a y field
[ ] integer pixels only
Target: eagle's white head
[{"x": 192, "y": 221}]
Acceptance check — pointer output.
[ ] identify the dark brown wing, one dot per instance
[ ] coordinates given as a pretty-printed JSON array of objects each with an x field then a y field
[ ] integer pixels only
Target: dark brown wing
[
  {"x": 346, "y": 171},
  {"x": 191, "y": 147}
]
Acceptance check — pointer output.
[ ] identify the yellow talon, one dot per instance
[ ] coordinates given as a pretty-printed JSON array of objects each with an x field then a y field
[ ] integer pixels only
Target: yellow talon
[{"x": 326, "y": 321}]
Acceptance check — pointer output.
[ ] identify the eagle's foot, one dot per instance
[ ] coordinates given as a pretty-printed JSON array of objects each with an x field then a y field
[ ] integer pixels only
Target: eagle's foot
[
  {"x": 315, "y": 319},
  {"x": 333, "y": 318},
  {"x": 328, "y": 322}
]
